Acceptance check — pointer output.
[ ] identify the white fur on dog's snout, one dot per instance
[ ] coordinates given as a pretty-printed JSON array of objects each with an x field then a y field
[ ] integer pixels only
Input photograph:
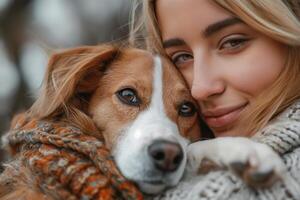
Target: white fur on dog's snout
[{"x": 131, "y": 152}]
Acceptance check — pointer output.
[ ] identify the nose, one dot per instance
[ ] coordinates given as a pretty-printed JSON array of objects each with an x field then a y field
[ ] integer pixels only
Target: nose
[
  {"x": 166, "y": 156},
  {"x": 206, "y": 82}
]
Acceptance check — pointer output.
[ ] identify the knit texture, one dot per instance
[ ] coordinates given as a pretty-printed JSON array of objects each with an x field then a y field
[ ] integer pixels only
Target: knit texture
[
  {"x": 283, "y": 135},
  {"x": 66, "y": 163}
]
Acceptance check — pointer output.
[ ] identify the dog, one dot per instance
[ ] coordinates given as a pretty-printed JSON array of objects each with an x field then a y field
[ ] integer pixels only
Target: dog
[
  {"x": 138, "y": 101},
  {"x": 141, "y": 105}
]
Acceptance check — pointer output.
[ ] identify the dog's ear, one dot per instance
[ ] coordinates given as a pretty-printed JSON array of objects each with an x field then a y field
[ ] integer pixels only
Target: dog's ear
[{"x": 71, "y": 73}]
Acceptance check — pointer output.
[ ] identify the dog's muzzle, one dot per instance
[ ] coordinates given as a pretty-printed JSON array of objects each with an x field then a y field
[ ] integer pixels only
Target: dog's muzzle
[
  {"x": 152, "y": 153},
  {"x": 166, "y": 156}
]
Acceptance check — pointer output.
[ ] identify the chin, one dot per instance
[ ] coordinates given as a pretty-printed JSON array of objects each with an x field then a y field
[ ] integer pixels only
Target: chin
[{"x": 226, "y": 132}]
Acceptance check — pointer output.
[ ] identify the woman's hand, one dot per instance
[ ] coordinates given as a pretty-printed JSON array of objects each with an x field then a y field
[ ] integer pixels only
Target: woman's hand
[{"x": 257, "y": 164}]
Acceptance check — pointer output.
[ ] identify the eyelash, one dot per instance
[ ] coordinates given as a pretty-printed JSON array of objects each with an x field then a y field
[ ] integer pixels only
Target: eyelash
[
  {"x": 240, "y": 43},
  {"x": 175, "y": 58}
]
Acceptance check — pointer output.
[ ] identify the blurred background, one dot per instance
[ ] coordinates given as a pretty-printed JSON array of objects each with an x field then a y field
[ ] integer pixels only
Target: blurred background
[{"x": 31, "y": 29}]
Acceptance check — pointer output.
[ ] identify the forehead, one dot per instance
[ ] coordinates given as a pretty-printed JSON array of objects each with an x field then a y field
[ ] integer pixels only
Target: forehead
[{"x": 177, "y": 17}]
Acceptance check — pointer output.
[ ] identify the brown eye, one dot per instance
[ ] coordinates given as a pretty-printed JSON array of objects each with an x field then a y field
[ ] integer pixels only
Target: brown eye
[
  {"x": 128, "y": 96},
  {"x": 187, "y": 109}
]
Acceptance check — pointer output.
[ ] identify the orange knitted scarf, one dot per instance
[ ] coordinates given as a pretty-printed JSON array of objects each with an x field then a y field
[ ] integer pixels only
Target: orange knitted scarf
[{"x": 68, "y": 164}]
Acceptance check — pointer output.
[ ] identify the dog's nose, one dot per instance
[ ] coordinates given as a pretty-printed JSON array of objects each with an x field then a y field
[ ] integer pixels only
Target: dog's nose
[{"x": 165, "y": 155}]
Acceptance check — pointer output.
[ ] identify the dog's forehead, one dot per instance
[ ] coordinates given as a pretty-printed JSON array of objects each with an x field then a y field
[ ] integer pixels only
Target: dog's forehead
[
  {"x": 144, "y": 61},
  {"x": 143, "y": 64},
  {"x": 136, "y": 62}
]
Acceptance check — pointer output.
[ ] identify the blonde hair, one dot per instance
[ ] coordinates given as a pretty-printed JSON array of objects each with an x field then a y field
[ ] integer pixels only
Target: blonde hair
[{"x": 279, "y": 19}]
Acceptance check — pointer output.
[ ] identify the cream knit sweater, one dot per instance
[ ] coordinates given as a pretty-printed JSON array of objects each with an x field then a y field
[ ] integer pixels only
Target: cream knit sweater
[{"x": 283, "y": 135}]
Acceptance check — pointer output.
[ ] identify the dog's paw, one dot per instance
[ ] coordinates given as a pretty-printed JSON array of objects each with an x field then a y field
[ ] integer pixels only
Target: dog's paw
[{"x": 257, "y": 164}]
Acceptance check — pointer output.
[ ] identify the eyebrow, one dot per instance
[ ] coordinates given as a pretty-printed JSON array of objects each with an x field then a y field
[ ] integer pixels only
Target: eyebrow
[
  {"x": 210, "y": 30},
  {"x": 173, "y": 42},
  {"x": 218, "y": 26}
]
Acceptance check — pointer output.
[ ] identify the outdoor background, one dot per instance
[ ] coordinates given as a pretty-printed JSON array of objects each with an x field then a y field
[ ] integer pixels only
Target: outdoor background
[{"x": 31, "y": 29}]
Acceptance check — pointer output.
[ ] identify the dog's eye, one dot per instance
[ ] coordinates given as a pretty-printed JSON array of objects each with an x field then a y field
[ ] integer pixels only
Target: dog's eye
[
  {"x": 128, "y": 96},
  {"x": 187, "y": 109}
]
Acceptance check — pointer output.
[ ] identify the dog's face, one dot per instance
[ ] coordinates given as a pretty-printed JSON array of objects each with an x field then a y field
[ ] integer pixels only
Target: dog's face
[
  {"x": 139, "y": 102},
  {"x": 147, "y": 115}
]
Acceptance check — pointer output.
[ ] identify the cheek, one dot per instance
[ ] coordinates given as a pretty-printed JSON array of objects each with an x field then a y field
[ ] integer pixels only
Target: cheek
[
  {"x": 257, "y": 70},
  {"x": 193, "y": 133},
  {"x": 102, "y": 115},
  {"x": 111, "y": 117},
  {"x": 189, "y": 127}
]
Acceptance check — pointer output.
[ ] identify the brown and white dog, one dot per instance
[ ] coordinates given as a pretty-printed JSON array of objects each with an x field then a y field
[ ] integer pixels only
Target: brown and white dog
[
  {"x": 138, "y": 101},
  {"x": 143, "y": 108}
]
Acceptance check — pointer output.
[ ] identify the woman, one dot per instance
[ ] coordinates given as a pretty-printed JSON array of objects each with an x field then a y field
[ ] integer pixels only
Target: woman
[{"x": 241, "y": 60}]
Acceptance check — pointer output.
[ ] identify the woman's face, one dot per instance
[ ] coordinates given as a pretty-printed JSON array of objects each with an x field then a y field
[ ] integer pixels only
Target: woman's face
[{"x": 226, "y": 63}]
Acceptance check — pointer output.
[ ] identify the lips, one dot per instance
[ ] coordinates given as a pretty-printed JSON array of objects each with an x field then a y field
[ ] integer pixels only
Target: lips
[{"x": 222, "y": 117}]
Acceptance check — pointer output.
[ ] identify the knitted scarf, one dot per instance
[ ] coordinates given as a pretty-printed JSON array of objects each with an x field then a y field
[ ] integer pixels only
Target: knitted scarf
[{"x": 66, "y": 163}]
